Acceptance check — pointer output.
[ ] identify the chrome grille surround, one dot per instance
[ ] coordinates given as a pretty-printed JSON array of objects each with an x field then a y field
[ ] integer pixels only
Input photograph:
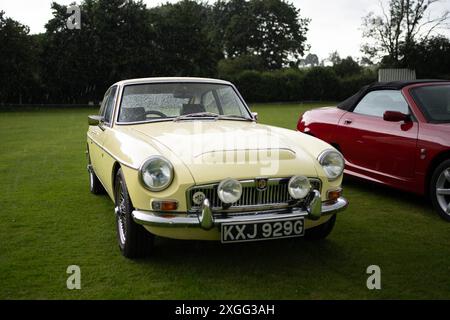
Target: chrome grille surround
[{"x": 275, "y": 196}]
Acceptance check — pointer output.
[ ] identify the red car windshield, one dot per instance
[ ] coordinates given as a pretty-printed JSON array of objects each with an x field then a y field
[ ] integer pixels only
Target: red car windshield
[{"x": 434, "y": 102}]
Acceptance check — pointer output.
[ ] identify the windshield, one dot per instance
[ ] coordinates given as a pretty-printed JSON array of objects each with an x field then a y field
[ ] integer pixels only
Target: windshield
[
  {"x": 175, "y": 101},
  {"x": 434, "y": 102}
]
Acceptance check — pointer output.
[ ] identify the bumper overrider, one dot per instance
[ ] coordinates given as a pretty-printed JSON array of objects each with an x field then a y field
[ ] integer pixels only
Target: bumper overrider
[{"x": 206, "y": 219}]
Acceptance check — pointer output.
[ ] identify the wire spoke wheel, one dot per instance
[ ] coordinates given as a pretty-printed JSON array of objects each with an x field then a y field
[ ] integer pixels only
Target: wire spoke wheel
[
  {"x": 134, "y": 241},
  {"x": 121, "y": 212}
]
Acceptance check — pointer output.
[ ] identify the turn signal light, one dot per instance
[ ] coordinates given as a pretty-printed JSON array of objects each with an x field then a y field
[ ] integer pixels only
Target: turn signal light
[
  {"x": 334, "y": 195},
  {"x": 164, "y": 205}
]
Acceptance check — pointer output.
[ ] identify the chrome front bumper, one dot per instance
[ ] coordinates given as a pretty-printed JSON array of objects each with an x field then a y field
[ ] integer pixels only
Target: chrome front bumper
[{"x": 207, "y": 220}]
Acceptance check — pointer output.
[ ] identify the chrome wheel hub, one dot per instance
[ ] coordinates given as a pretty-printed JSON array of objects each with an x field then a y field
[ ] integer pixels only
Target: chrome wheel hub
[{"x": 443, "y": 190}]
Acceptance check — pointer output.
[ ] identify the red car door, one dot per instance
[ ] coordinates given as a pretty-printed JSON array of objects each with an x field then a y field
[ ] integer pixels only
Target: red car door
[{"x": 374, "y": 146}]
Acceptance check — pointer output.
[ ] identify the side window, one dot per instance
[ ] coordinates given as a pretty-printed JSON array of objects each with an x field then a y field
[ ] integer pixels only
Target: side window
[
  {"x": 103, "y": 105},
  {"x": 376, "y": 103},
  {"x": 109, "y": 108},
  {"x": 210, "y": 103}
]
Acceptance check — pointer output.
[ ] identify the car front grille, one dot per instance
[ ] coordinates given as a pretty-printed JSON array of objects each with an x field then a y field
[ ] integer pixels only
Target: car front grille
[{"x": 276, "y": 193}]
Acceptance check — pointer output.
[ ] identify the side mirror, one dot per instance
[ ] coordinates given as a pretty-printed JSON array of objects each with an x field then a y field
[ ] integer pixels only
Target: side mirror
[
  {"x": 255, "y": 116},
  {"x": 395, "y": 116},
  {"x": 94, "y": 120}
]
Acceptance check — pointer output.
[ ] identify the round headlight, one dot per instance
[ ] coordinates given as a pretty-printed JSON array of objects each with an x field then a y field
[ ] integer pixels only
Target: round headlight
[
  {"x": 156, "y": 173},
  {"x": 229, "y": 191},
  {"x": 332, "y": 163},
  {"x": 299, "y": 187}
]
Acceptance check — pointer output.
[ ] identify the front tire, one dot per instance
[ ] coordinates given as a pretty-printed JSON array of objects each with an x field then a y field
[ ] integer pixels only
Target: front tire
[
  {"x": 134, "y": 241},
  {"x": 322, "y": 231},
  {"x": 440, "y": 190}
]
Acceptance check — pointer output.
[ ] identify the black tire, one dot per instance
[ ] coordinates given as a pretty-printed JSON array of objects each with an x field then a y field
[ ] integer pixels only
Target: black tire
[
  {"x": 134, "y": 241},
  {"x": 95, "y": 186},
  {"x": 441, "y": 179},
  {"x": 322, "y": 231}
]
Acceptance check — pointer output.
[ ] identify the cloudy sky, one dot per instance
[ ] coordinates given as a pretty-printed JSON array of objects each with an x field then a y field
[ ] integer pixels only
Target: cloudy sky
[{"x": 335, "y": 24}]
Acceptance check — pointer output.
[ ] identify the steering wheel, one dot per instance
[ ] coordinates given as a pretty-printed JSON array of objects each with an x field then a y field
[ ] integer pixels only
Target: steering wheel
[{"x": 155, "y": 112}]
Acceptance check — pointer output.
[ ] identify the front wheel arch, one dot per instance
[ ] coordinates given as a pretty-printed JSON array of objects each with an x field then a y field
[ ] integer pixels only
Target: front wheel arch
[
  {"x": 439, "y": 180},
  {"x": 115, "y": 169},
  {"x": 437, "y": 160}
]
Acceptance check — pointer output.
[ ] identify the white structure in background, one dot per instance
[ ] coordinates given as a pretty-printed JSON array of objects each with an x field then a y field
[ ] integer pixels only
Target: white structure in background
[{"x": 386, "y": 75}]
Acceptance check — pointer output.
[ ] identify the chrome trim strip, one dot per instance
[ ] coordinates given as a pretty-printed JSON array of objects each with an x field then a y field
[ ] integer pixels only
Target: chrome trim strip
[
  {"x": 114, "y": 157},
  {"x": 151, "y": 219}
]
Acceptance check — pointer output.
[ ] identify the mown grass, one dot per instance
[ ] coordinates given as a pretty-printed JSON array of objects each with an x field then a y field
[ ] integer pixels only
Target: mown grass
[{"x": 49, "y": 221}]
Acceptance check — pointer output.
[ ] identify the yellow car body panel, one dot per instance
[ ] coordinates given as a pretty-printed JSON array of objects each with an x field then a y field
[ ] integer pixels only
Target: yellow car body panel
[{"x": 200, "y": 154}]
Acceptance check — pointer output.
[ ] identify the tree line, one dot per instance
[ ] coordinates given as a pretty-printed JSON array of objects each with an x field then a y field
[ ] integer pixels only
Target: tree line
[
  {"x": 121, "y": 39},
  {"x": 258, "y": 44}
]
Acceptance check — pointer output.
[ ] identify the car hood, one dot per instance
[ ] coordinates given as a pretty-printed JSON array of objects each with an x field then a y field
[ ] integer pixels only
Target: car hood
[{"x": 216, "y": 149}]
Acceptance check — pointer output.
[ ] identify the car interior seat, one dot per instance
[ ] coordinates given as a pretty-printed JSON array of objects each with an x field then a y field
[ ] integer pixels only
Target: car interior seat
[{"x": 192, "y": 108}]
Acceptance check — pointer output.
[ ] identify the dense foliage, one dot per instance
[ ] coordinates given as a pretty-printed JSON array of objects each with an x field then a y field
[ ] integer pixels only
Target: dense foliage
[
  {"x": 312, "y": 84},
  {"x": 258, "y": 44}
]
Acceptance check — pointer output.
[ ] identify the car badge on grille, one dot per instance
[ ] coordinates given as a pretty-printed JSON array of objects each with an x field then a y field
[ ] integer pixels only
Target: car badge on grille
[
  {"x": 261, "y": 184},
  {"x": 198, "y": 197}
]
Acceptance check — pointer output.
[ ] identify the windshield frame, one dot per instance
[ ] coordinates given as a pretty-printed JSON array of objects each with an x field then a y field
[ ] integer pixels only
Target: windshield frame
[
  {"x": 232, "y": 86},
  {"x": 417, "y": 101}
]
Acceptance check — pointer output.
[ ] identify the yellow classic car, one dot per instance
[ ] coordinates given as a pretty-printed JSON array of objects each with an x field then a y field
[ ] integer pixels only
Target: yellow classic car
[{"x": 185, "y": 158}]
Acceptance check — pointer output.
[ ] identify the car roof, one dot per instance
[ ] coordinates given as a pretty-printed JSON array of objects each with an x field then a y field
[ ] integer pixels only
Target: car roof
[
  {"x": 171, "y": 79},
  {"x": 350, "y": 103},
  {"x": 397, "y": 85}
]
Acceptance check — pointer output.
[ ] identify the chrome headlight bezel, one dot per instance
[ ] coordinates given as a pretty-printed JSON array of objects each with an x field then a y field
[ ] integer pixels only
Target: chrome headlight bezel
[
  {"x": 305, "y": 191},
  {"x": 145, "y": 164},
  {"x": 324, "y": 156},
  {"x": 221, "y": 186}
]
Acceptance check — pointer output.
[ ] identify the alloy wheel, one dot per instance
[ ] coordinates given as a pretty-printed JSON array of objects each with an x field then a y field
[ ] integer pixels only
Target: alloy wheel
[{"x": 443, "y": 190}]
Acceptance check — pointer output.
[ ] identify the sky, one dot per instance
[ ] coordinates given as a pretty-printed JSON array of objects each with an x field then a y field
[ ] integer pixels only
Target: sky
[{"x": 335, "y": 24}]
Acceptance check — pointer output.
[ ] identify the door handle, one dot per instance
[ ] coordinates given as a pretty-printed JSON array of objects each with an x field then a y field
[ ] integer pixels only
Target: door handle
[{"x": 348, "y": 121}]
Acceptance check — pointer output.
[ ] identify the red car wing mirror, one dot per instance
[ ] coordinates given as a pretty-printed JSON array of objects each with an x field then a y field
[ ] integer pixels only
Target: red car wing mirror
[{"x": 395, "y": 116}]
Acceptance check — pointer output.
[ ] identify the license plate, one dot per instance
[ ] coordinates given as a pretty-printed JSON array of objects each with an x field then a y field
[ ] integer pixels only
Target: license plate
[{"x": 263, "y": 230}]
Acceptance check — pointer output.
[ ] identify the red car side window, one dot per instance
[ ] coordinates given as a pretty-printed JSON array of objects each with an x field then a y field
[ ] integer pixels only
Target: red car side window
[{"x": 376, "y": 103}]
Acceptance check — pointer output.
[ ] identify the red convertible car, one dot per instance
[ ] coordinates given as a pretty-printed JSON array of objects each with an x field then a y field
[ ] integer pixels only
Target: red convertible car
[{"x": 395, "y": 133}]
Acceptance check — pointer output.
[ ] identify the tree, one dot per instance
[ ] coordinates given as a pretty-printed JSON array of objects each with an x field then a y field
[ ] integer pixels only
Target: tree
[
  {"x": 115, "y": 42},
  {"x": 271, "y": 29},
  {"x": 227, "y": 68},
  {"x": 17, "y": 64},
  {"x": 320, "y": 83},
  {"x": 398, "y": 28},
  {"x": 430, "y": 58},
  {"x": 311, "y": 60},
  {"x": 183, "y": 43},
  {"x": 347, "y": 67},
  {"x": 334, "y": 58}
]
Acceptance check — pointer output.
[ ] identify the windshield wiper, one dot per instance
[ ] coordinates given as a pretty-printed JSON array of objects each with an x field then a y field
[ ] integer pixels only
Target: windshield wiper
[
  {"x": 211, "y": 115},
  {"x": 198, "y": 115},
  {"x": 234, "y": 117}
]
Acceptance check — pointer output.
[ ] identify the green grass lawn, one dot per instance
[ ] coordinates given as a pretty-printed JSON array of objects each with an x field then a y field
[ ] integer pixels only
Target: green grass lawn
[{"x": 49, "y": 221}]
